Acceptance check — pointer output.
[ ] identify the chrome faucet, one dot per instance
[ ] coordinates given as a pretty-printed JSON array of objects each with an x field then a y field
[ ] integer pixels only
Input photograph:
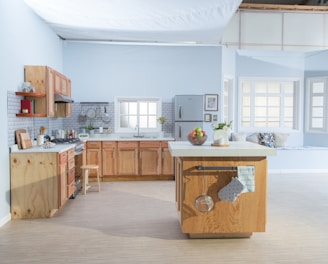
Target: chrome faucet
[{"x": 138, "y": 130}]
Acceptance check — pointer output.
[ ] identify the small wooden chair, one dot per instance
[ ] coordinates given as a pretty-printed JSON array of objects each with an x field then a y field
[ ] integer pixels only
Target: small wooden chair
[{"x": 85, "y": 175}]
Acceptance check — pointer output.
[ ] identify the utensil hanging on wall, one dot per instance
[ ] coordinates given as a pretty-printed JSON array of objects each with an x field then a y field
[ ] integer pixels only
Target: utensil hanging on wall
[
  {"x": 105, "y": 116},
  {"x": 82, "y": 117},
  {"x": 91, "y": 113}
]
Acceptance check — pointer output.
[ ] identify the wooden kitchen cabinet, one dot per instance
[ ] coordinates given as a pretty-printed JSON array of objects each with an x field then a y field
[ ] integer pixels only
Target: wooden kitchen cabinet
[
  {"x": 62, "y": 168},
  {"x": 150, "y": 158},
  {"x": 109, "y": 149},
  {"x": 39, "y": 183},
  {"x": 64, "y": 109},
  {"x": 42, "y": 78},
  {"x": 94, "y": 156},
  {"x": 167, "y": 160},
  {"x": 70, "y": 173},
  {"x": 127, "y": 158},
  {"x": 47, "y": 82}
]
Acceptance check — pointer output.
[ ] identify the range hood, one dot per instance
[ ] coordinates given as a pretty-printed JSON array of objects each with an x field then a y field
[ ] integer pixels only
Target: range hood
[{"x": 60, "y": 98}]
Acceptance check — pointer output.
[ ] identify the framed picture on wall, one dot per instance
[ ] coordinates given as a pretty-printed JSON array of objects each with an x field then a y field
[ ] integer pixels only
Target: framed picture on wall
[
  {"x": 207, "y": 117},
  {"x": 215, "y": 118},
  {"x": 211, "y": 102}
]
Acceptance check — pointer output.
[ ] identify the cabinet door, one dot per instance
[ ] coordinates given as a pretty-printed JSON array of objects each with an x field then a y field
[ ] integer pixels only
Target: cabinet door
[
  {"x": 94, "y": 156},
  {"x": 50, "y": 93},
  {"x": 167, "y": 160},
  {"x": 127, "y": 161},
  {"x": 150, "y": 158},
  {"x": 62, "y": 169},
  {"x": 109, "y": 158}
]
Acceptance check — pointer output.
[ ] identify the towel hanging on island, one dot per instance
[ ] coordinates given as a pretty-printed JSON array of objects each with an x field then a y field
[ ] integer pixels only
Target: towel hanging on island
[
  {"x": 245, "y": 175},
  {"x": 244, "y": 182}
]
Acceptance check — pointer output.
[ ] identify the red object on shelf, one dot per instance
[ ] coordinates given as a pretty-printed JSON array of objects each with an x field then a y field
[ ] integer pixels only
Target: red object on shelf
[{"x": 27, "y": 104}]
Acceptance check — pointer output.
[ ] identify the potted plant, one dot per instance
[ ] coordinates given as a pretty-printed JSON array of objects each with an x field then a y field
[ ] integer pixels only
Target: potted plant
[
  {"x": 162, "y": 120},
  {"x": 90, "y": 128},
  {"x": 221, "y": 133}
]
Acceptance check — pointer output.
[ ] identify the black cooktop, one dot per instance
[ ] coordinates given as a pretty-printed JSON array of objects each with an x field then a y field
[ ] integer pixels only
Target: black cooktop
[{"x": 66, "y": 140}]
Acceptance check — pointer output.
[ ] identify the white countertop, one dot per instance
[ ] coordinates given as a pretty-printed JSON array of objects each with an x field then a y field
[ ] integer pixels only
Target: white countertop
[
  {"x": 235, "y": 149},
  {"x": 118, "y": 137},
  {"x": 38, "y": 149}
]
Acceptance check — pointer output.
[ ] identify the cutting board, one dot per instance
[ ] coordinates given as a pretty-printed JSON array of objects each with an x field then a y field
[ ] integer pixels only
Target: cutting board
[
  {"x": 25, "y": 140},
  {"x": 18, "y": 137}
]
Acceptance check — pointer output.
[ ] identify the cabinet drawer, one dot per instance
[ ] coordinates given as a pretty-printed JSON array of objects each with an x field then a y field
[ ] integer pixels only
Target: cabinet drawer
[
  {"x": 71, "y": 176},
  {"x": 127, "y": 144},
  {"x": 150, "y": 144},
  {"x": 165, "y": 144},
  {"x": 108, "y": 144},
  {"x": 71, "y": 163},
  {"x": 94, "y": 145},
  {"x": 63, "y": 158},
  {"x": 70, "y": 153}
]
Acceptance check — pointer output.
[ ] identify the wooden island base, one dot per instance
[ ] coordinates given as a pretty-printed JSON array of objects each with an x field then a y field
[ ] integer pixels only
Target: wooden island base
[{"x": 238, "y": 219}]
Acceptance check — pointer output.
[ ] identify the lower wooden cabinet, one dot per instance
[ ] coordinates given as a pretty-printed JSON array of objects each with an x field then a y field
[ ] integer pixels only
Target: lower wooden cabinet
[
  {"x": 150, "y": 158},
  {"x": 135, "y": 159},
  {"x": 94, "y": 156},
  {"x": 109, "y": 158},
  {"x": 127, "y": 158},
  {"x": 41, "y": 183},
  {"x": 167, "y": 160}
]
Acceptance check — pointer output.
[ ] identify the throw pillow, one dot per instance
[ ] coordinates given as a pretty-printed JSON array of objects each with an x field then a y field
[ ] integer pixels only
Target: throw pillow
[
  {"x": 238, "y": 137},
  {"x": 267, "y": 139},
  {"x": 280, "y": 139},
  {"x": 253, "y": 138}
]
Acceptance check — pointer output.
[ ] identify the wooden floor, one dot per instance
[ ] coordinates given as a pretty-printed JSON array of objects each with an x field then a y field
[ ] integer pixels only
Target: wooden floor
[{"x": 136, "y": 222}]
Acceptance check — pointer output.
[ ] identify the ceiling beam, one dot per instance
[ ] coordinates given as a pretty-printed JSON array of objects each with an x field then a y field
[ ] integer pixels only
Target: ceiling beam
[{"x": 304, "y": 8}]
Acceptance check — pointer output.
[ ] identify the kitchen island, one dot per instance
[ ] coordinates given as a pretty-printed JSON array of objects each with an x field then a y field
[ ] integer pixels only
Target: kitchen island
[{"x": 207, "y": 170}]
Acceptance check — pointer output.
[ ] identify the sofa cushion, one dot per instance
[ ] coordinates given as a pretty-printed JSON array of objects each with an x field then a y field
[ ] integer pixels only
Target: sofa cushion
[
  {"x": 267, "y": 139},
  {"x": 280, "y": 139},
  {"x": 238, "y": 136},
  {"x": 253, "y": 138}
]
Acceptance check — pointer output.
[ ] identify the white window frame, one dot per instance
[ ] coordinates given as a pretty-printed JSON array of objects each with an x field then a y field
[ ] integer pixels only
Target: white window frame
[
  {"x": 227, "y": 99},
  {"x": 118, "y": 129},
  {"x": 281, "y": 128},
  {"x": 309, "y": 84}
]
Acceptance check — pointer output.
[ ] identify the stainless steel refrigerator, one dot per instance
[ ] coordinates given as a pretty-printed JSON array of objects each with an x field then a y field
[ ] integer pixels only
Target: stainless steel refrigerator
[{"x": 188, "y": 114}]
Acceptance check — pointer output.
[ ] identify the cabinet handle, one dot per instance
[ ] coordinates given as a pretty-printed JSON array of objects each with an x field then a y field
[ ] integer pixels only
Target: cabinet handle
[{"x": 217, "y": 168}]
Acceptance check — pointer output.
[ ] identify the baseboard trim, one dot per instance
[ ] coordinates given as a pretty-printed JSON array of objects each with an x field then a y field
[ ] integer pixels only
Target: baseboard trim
[
  {"x": 286, "y": 171},
  {"x": 5, "y": 220}
]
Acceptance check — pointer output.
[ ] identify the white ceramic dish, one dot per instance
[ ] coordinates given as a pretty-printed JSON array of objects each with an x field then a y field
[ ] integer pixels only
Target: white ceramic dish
[{"x": 91, "y": 113}]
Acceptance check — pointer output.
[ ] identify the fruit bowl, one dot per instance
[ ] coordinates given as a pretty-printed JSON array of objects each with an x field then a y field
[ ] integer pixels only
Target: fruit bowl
[{"x": 197, "y": 140}]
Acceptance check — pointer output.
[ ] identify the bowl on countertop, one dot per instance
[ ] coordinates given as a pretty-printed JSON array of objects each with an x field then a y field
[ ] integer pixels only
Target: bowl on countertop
[{"x": 197, "y": 141}]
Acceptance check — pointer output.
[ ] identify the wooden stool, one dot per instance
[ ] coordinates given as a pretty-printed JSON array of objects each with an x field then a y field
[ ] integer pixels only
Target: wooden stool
[{"x": 85, "y": 174}]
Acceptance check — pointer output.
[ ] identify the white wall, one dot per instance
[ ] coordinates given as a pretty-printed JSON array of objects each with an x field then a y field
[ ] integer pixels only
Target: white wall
[
  {"x": 99, "y": 72},
  {"x": 25, "y": 39}
]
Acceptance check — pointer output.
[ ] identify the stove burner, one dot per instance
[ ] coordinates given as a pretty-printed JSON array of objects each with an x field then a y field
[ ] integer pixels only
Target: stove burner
[{"x": 66, "y": 140}]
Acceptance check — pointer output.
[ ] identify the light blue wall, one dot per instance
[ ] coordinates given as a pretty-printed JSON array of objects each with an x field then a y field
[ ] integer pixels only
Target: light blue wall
[
  {"x": 316, "y": 66},
  {"x": 25, "y": 39},
  {"x": 275, "y": 64},
  {"x": 99, "y": 72}
]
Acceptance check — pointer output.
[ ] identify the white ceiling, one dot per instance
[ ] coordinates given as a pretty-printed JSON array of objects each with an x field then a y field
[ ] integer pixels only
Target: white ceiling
[{"x": 152, "y": 21}]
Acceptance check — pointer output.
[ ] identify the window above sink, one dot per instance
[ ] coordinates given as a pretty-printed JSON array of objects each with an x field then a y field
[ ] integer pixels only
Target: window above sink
[{"x": 137, "y": 114}]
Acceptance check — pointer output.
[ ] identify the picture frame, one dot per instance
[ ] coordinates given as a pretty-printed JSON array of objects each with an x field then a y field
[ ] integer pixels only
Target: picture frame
[
  {"x": 211, "y": 102},
  {"x": 215, "y": 118},
  {"x": 207, "y": 117}
]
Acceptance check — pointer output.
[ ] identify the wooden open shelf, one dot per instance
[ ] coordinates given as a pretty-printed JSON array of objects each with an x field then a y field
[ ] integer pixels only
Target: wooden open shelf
[
  {"x": 31, "y": 94},
  {"x": 30, "y": 115}
]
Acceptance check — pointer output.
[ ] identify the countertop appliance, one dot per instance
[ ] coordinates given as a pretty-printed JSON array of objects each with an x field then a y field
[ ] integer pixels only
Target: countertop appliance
[{"x": 188, "y": 114}]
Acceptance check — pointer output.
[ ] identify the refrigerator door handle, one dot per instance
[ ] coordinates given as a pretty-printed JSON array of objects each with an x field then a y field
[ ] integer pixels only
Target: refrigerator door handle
[
  {"x": 180, "y": 111},
  {"x": 180, "y": 132}
]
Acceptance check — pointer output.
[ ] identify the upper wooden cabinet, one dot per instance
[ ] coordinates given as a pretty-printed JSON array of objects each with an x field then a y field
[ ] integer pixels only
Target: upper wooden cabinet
[{"x": 46, "y": 82}]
